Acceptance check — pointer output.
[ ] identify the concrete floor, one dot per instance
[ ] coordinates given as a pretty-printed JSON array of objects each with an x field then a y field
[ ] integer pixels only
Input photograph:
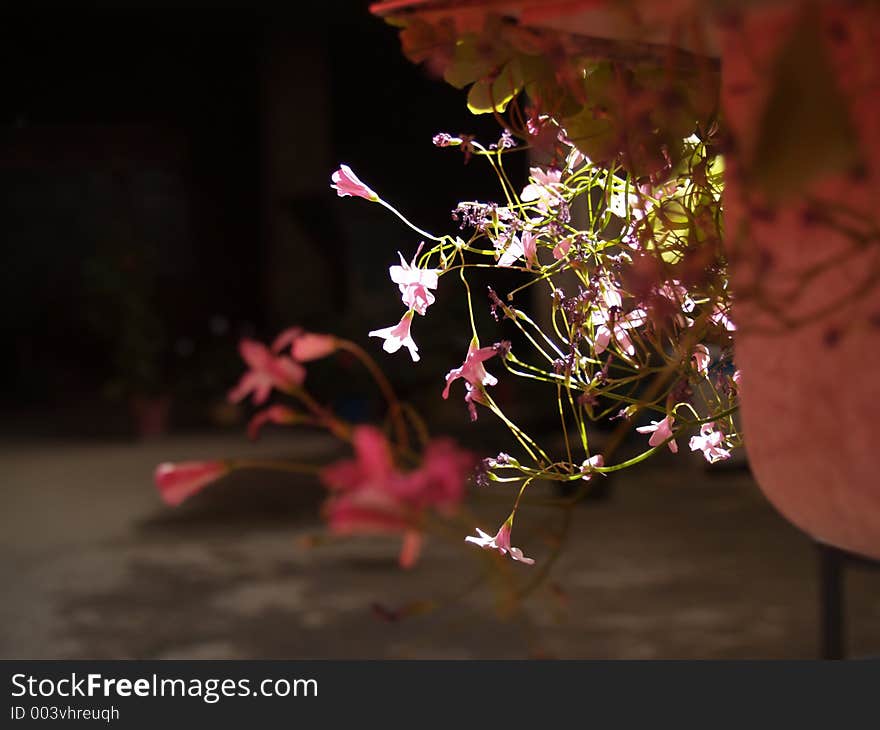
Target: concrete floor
[{"x": 679, "y": 563}]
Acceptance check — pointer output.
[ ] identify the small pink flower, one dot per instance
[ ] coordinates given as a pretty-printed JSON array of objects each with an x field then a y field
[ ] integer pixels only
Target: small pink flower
[
  {"x": 415, "y": 283},
  {"x": 700, "y": 359},
  {"x": 501, "y": 543},
  {"x": 304, "y": 346},
  {"x": 345, "y": 182},
  {"x": 660, "y": 431},
  {"x": 711, "y": 443},
  {"x": 370, "y": 494},
  {"x": 280, "y": 415},
  {"x": 737, "y": 378},
  {"x": 398, "y": 336},
  {"x": 720, "y": 317},
  {"x": 612, "y": 324},
  {"x": 266, "y": 371},
  {"x": 530, "y": 247},
  {"x": 310, "y": 346},
  {"x": 474, "y": 374},
  {"x": 560, "y": 250},
  {"x": 544, "y": 188},
  {"x": 588, "y": 467},
  {"x": 178, "y": 482},
  {"x": 677, "y": 294}
]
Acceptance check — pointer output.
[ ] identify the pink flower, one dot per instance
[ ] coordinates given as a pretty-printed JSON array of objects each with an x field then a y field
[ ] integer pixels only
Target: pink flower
[
  {"x": 677, "y": 294},
  {"x": 415, "y": 283},
  {"x": 700, "y": 359},
  {"x": 474, "y": 374},
  {"x": 530, "y": 247},
  {"x": 398, "y": 336},
  {"x": 310, "y": 346},
  {"x": 266, "y": 371},
  {"x": 660, "y": 431},
  {"x": 280, "y": 415},
  {"x": 720, "y": 317},
  {"x": 612, "y": 324},
  {"x": 588, "y": 467},
  {"x": 501, "y": 543},
  {"x": 544, "y": 188},
  {"x": 178, "y": 482},
  {"x": 711, "y": 443},
  {"x": 370, "y": 494},
  {"x": 560, "y": 250},
  {"x": 440, "y": 480},
  {"x": 345, "y": 182},
  {"x": 304, "y": 346},
  {"x": 737, "y": 378}
]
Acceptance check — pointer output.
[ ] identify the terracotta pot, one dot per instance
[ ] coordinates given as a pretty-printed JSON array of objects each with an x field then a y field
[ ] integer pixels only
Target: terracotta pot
[{"x": 810, "y": 392}]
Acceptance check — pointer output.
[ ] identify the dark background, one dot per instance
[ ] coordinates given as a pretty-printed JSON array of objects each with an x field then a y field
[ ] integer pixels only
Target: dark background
[{"x": 164, "y": 189}]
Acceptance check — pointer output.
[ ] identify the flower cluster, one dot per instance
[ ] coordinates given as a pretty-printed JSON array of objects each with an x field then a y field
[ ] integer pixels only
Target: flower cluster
[
  {"x": 386, "y": 487},
  {"x": 636, "y": 280}
]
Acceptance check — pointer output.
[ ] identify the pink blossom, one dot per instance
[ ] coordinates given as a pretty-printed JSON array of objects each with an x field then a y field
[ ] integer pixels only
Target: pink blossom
[
  {"x": 701, "y": 359},
  {"x": 529, "y": 243},
  {"x": 266, "y": 371},
  {"x": 589, "y": 466},
  {"x": 560, "y": 250},
  {"x": 398, "y": 336},
  {"x": 370, "y": 494},
  {"x": 544, "y": 188},
  {"x": 618, "y": 327},
  {"x": 345, "y": 182},
  {"x": 511, "y": 248},
  {"x": 280, "y": 415},
  {"x": 415, "y": 283},
  {"x": 737, "y": 378},
  {"x": 178, "y": 482},
  {"x": 720, "y": 317},
  {"x": 474, "y": 374},
  {"x": 660, "y": 431},
  {"x": 311, "y": 346},
  {"x": 500, "y": 542},
  {"x": 678, "y": 295},
  {"x": 711, "y": 443},
  {"x": 304, "y": 346}
]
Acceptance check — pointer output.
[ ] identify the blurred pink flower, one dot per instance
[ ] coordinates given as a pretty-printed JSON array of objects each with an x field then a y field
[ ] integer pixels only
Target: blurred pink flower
[
  {"x": 474, "y": 375},
  {"x": 500, "y": 542},
  {"x": 345, "y": 182},
  {"x": 304, "y": 346},
  {"x": 280, "y": 415},
  {"x": 398, "y": 336},
  {"x": 660, "y": 431},
  {"x": 701, "y": 359},
  {"x": 415, "y": 283},
  {"x": 370, "y": 494},
  {"x": 310, "y": 346},
  {"x": 266, "y": 371},
  {"x": 178, "y": 482},
  {"x": 711, "y": 443}
]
